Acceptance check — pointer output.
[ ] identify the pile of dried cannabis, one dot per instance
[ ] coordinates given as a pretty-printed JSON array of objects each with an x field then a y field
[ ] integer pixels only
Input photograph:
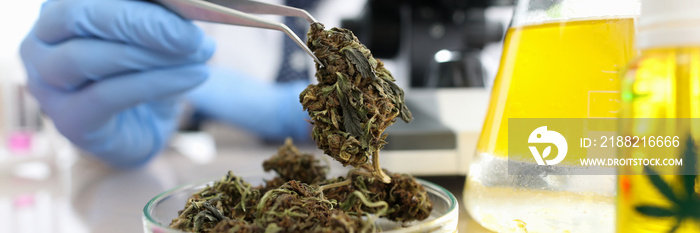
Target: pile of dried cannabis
[
  {"x": 288, "y": 205},
  {"x": 406, "y": 199},
  {"x": 354, "y": 101}
]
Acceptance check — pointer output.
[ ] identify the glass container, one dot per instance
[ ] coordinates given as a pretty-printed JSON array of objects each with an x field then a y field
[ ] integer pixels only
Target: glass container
[
  {"x": 159, "y": 211},
  {"x": 561, "y": 59},
  {"x": 661, "y": 99}
]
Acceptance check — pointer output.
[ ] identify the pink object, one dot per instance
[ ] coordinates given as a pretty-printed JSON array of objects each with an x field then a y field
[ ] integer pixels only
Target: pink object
[
  {"x": 19, "y": 141},
  {"x": 23, "y": 201}
]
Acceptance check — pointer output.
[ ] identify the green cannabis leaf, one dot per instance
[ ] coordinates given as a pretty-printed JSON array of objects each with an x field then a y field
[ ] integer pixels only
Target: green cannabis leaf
[{"x": 685, "y": 205}]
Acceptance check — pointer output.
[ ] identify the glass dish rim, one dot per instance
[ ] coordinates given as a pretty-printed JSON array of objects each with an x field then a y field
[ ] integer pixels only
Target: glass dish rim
[{"x": 440, "y": 191}]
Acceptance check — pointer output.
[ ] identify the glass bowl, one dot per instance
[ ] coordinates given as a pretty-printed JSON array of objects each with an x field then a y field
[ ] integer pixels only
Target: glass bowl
[{"x": 160, "y": 210}]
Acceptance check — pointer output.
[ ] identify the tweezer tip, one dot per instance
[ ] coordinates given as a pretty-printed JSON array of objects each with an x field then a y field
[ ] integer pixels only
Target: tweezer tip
[{"x": 318, "y": 61}]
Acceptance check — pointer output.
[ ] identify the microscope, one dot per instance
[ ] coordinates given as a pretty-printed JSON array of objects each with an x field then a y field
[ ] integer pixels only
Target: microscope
[{"x": 439, "y": 39}]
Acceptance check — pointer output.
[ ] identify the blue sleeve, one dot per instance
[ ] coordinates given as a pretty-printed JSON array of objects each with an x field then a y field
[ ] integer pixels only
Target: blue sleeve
[{"x": 269, "y": 110}]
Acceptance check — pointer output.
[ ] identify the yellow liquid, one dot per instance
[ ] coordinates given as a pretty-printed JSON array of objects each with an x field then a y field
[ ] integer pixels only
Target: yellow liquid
[
  {"x": 662, "y": 83},
  {"x": 553, "y": 70},
  {"x": 557, "y": 70}
]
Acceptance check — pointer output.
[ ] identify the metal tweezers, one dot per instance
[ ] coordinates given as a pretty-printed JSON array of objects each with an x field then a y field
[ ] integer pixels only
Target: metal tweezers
[{"x": 238, "y": 12}]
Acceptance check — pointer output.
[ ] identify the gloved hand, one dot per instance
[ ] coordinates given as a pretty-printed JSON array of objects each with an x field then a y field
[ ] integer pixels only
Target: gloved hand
[
  {"x": 109, "y": 73},
  {"x": 269, "y": 110}
]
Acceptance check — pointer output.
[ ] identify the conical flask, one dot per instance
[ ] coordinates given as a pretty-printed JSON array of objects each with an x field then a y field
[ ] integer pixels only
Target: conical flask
[{"x": 561, "y": 59}]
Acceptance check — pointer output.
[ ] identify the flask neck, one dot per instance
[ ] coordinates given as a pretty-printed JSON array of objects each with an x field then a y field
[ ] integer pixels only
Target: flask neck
[{"x": 669, "y": 23}]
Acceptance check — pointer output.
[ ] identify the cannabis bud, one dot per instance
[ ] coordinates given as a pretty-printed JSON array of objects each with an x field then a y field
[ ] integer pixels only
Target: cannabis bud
[
  {"x": 355, "y": 99},
  {"x": 290, "y": 164},
  {"x": 298, "y": 207},
  {"x": 229, "y": 198},
  {"x": 238, "y": 226},
  {"x": 407, "y": 200}
]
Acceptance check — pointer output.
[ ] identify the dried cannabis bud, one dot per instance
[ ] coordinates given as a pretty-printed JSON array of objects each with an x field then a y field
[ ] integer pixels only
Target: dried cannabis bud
[
  {"x": 238, "y": 226},
  {"x": 354, "y": 101},
  {"x": 271, "y": 184},
  {"x": 290, "y": 164},
  {"x": 407, "y": 200},
  {"x": 298, "y": 207},
  {"x": 228, "y": 198}
]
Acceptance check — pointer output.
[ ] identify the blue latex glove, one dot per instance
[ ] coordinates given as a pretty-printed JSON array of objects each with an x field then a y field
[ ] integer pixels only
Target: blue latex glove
[
  {"x": 109, "y": 73},
  {"x": 269, "y": 110}
]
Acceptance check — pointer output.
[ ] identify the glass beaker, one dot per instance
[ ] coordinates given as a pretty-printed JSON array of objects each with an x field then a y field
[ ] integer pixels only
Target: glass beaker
[
  {"x": 561, "y": 59},
  {"x": 661, "y": 99}
]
